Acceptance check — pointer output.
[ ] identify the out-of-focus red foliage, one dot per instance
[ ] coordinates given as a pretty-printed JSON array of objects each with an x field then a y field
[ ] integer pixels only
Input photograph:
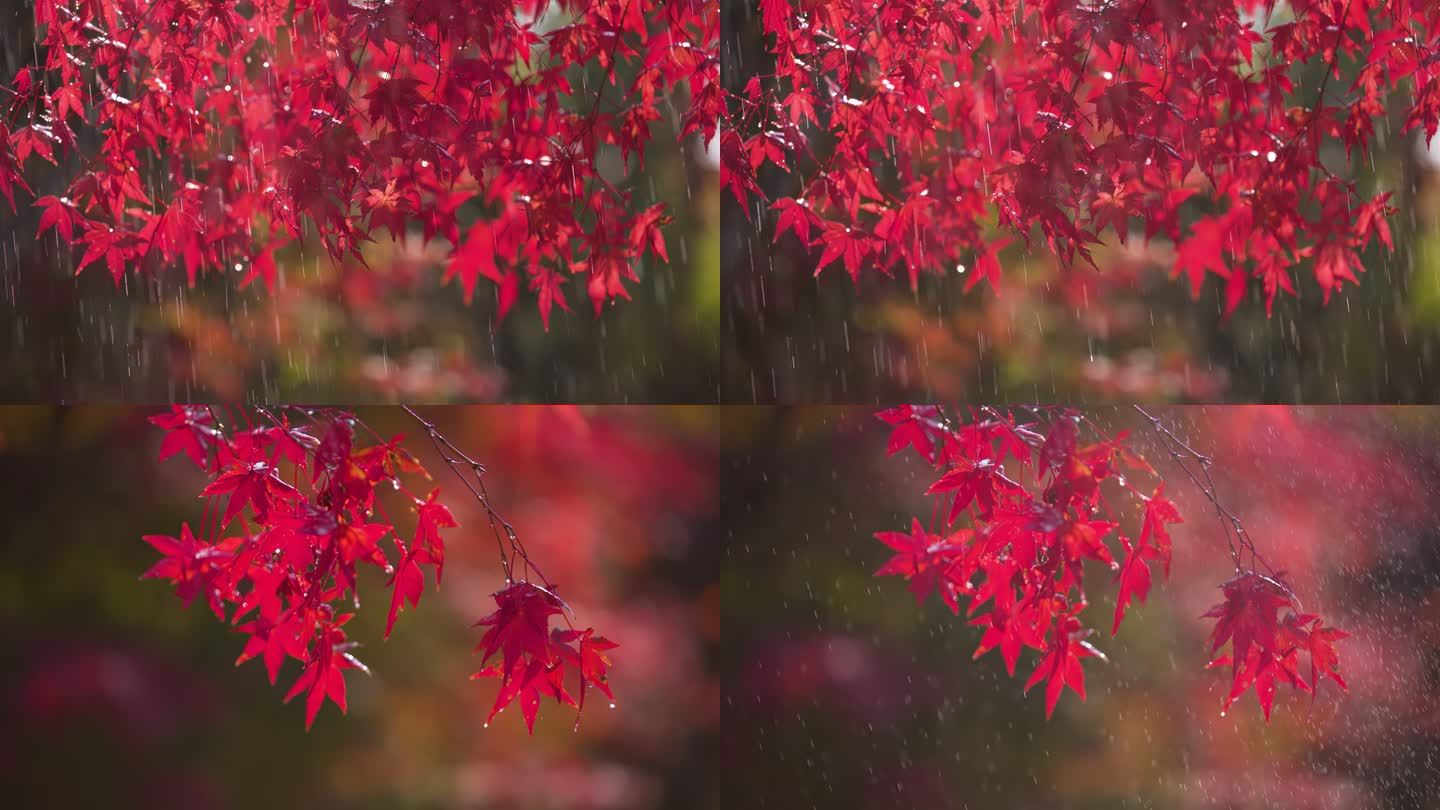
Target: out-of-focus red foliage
[{"x": 144, "y": 697}]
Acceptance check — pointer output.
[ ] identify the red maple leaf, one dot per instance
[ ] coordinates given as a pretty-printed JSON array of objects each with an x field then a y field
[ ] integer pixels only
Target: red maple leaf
[
  {"x": 61, "y": 215},
  {"x": 978, "y": 481},
  {"x": 987, "y": 265},
  {"x": 1011, "y": 631},
  {"x": 520, "y": 627},
  {"x": 265, "y": 591},
  {"x": 589, "y": 660},
  {"x": 1134, "y": 579},
  {"x": 323, "y": 676},
  {"x": 645, "y": 233},
  {"x": 190, "y": 430},
  {"x": 196, "y": 567},
  {"x": 847, "y": 244},
  {"x": 528, "y": 681},
  {"x": 1249, "y": 616},
  {"x": 475, "y": 259},
  {"x": 257, "y": 483},
  {"x": 1204, "y": 251},
  {"x": 115, "y": 246},
  {"x": 1324, "y": 663},
  {"x": 273, "y": 641},
  {"x": 794, "y": 216},
  {"x": 1159, "y": 512},
  {"x": 396, "y": 101},
  {"x": 550, "y": 287},
  {"x": 1335, "y": 264},
  {"x": 407, "y": 583},
  {"x": 925, "y": 560},
  {"x": 262, "y": 268},
  {"x": 1060, "y": 666},
  {"x": 913, "y": 426},
  {"x": 431, "y": 517}
]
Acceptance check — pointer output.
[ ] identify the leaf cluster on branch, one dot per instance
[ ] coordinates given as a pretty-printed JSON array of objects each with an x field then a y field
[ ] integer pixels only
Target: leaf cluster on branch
[
  {"x": 296, "y": 503},
  {"x": 1025, "y": 504}
]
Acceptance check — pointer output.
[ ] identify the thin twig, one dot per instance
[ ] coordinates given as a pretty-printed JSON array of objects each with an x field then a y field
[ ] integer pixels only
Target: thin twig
[
  {"x": 1240, "y": 541},
  {"x": 458, "y": 461}
]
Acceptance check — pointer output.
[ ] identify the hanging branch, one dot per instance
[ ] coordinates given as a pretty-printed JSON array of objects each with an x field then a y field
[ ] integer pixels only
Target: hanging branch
[
  {"x": 292, "y": 563},
  {"x": 533, "y": 658},
  {"x": 1009, "y": 551},
  {"x": 472, "y": 474},
  {"x": 1235, "y": 535}
]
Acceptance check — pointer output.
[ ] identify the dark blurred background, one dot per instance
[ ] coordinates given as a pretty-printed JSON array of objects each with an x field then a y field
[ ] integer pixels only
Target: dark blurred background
[
  {"x": 116, "y": 695},
  {"x": 350, "y": 334},
  {"x": 840, "y": 693},
  {"x": 1126, "y": 333}
]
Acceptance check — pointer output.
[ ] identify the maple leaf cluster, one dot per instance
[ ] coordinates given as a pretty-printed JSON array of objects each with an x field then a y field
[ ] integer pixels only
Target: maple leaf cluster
[
  {"x": 1266, "y": 649},
  {"x": 297, "y": 541},
  {"x": 226, "y": 132},
  {"x": 534, "y": 657},
  {"x": 918, "y": 133},
  {"x": 293, "y": 509},
  {"x": 1015, "y": 553}
]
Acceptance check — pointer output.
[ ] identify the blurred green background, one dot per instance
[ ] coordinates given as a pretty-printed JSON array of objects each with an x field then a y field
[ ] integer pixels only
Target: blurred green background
[
  {"x": 356, "y": 335},
  {"x": 840, "y": 693},
  {"x": 1126, "y": 333},
  {"x": 116, "y": 695}
]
